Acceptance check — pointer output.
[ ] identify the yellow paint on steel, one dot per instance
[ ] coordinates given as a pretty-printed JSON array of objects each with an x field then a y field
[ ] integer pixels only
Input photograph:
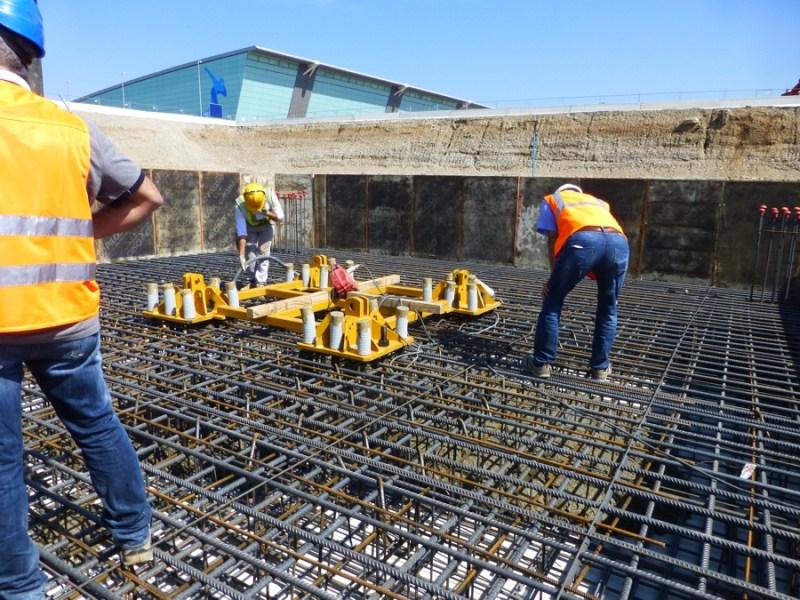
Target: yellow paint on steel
[{"x": 376, "y": 300}]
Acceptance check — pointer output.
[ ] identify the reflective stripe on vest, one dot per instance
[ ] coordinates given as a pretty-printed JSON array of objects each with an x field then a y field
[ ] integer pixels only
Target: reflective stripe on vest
[
  {"x": 252, "y": 220},
  {"x": 574, "y": 210},
  {"x": 42, "y": 226},
  {"x": 35, "y": 274},
  {"x": 47, "y": 259}
]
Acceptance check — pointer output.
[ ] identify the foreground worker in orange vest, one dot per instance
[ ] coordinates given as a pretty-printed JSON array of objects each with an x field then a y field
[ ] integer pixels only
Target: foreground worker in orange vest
[
  {"x": 53, "y": 165},
  {"x": 583, "y": 238}
]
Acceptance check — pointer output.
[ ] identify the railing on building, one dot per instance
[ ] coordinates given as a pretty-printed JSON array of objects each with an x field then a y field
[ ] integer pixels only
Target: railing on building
[{"x": 562, "y": 103}]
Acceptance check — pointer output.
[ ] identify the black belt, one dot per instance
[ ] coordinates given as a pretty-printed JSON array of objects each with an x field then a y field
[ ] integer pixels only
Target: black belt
[{"x": 600, "y": 229}]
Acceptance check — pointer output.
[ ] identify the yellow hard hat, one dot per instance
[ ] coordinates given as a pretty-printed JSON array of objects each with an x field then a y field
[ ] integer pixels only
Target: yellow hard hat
[{"x": 255, "y": 197}]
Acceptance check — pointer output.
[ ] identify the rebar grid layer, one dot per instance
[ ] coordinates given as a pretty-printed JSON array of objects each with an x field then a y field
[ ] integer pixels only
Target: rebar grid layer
[{"x": 441, "y": 471}]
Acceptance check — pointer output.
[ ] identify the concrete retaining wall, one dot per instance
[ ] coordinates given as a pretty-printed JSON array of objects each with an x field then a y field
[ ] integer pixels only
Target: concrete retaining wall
[{"x": 676, "y": 229}]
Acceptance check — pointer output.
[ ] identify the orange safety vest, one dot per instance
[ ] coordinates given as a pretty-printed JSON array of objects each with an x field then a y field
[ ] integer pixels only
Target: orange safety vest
[
  {"x": 574, "y": 211},
  {"x": 47, "y": 257}
]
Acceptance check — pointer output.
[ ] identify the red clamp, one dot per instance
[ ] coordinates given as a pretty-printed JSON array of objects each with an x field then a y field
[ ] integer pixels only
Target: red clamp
[{"x": 763, "y": 208}]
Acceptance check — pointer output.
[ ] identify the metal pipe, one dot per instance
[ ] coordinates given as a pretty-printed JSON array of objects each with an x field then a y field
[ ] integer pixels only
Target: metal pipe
[
  {"x": 761, "y": 210},
  {"x": 785, "y": 214},
  {"x": 792, "y": 251},
  {"x": 775, "y": 215}
]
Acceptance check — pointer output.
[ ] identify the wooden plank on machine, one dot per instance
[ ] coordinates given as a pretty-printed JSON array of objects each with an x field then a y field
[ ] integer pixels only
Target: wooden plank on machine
[
  {"x": 379, "y": 283},
  {"x": 389, "y": 301},
  {"x": 270, "y": 308}
]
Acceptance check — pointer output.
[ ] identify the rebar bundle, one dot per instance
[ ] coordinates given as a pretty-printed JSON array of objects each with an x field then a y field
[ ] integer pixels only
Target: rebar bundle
[
  {"x": 775, "y": 272},
  {"x": 441, "y": 471}
]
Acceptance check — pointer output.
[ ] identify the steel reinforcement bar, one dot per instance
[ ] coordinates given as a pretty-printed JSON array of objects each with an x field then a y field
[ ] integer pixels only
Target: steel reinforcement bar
[{"x": 441, "y": 471}]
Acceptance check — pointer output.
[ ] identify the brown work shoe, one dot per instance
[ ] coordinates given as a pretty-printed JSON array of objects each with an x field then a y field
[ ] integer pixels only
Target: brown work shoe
[
  {"x": 601, "y": 374},
  {"x": 540, "y": 370},
  {"x": 140, "y": 554}
]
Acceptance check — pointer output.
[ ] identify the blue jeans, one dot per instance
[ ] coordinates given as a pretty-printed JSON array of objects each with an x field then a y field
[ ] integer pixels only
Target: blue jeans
[
  {"x": 605, "y": 255},
  {"x": 71, "y": 377}
]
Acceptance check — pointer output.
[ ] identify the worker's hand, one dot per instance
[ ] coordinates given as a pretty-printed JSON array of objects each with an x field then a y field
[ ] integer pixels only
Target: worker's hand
[
  {"x": 546, "y": 289},
  {"x": 242, "y": 262}
]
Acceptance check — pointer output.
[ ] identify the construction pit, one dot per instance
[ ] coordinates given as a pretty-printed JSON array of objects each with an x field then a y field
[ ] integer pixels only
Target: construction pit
[{"x": 439, "y": 469}]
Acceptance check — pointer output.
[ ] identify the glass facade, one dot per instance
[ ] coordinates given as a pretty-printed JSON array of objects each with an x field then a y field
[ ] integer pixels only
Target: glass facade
[{"x": 259, "y": 85}]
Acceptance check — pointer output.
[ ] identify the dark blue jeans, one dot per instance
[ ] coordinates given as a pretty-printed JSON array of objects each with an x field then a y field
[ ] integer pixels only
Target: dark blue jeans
[
  {"x": 70, "y": 375},
  {"x": 605, "y": 255}
]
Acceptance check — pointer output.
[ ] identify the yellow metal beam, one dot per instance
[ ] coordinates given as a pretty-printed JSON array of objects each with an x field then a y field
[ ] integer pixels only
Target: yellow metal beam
[{"x": 363, "y": 327}]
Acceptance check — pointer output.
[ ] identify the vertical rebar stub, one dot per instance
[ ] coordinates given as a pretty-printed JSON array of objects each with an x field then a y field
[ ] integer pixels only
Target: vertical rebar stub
[{"x": 384, "y": 340}]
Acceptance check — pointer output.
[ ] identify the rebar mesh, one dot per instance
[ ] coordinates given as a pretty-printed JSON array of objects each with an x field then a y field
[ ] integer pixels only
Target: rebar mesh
[{"x": 441, "y": 471}]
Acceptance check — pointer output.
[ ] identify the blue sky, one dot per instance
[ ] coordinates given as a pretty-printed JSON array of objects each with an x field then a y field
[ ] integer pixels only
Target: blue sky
[{"x": 499, "y": 52}]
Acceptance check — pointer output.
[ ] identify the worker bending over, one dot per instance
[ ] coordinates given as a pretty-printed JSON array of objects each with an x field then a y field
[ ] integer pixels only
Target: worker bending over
[
  {"x": 256, "y": 211},
  {"x": 583, "y": 238},
  {"x": 54, "y": 165}
]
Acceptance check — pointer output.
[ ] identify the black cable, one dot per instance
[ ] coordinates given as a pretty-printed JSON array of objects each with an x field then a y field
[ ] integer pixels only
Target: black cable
[{"x": 256, "y": 258}]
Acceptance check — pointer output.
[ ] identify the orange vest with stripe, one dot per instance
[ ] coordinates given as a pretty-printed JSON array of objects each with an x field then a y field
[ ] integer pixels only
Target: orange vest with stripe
[
  {"x": 47, "y": 257},
  {"x": 574, "y": 211}
]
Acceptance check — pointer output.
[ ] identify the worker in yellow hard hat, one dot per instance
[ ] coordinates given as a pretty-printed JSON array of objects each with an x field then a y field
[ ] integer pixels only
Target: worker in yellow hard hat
[{"x": 257, "y": 209}]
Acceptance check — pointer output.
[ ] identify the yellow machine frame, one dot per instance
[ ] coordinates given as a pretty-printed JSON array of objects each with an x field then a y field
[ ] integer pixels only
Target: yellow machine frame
[{"x": 366, "y": 325}]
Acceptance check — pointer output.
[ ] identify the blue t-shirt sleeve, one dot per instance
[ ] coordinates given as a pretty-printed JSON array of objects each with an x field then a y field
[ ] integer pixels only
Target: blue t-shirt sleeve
[
  {"x": 546, "y": 223},
  {"x": 241, "y": 225}
]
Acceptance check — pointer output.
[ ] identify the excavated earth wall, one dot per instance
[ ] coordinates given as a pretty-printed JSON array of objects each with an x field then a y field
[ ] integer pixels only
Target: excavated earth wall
[
  {"x": 760, "y": 143},
  {"x": 684, "y": 181}
]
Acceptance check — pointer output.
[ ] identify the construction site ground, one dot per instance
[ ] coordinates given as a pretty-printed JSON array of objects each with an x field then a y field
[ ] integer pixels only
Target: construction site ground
[{"x": 442, "y": 470}]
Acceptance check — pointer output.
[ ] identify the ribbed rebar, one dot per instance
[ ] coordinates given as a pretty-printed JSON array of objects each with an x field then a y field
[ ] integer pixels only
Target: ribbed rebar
[{"x": 441, "y": 470}]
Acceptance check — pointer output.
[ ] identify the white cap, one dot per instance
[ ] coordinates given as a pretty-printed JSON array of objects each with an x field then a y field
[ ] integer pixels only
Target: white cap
[{"x": 569, "y": 186}]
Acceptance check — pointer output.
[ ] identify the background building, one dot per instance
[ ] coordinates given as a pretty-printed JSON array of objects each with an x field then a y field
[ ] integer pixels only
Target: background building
[{"x": 257, "y": 84}]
